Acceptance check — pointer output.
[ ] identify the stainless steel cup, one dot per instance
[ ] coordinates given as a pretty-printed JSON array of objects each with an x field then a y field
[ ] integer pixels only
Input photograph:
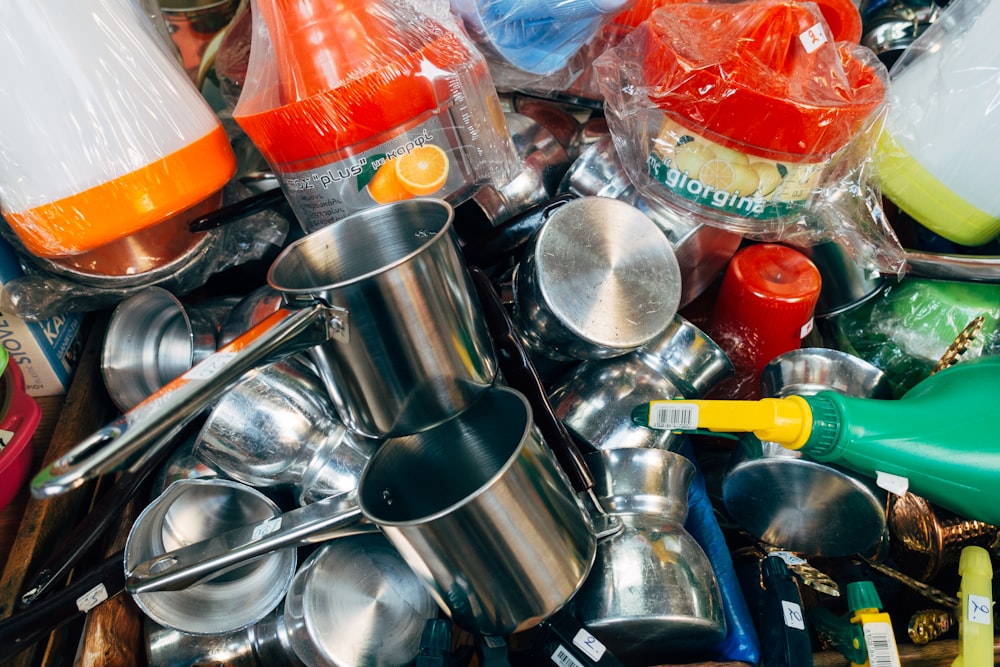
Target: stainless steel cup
[
  {"x": 152, "y": 338},
  {"x": 187, "y": 512},
  {"x": 278, "y": 428},
  {"x": 652, "y": 595},
  {"x": 356, "y": 602}
]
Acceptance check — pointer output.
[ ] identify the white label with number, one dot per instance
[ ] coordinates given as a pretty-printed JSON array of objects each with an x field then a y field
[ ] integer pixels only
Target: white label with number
[
  {"x": 665, "y": 415},
  {"x": 813, "y": 38},
  {"x": 92, "y": 598},
  {"x": 265, "y": 528},
  {"x": 979, "y": 609},
  {"x": 589, "y": 644},
  {"x": 793, "y": 615}
]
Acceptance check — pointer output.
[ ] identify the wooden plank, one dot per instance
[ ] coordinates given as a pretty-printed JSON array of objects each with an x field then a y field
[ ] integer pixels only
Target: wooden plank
[{"x": 85, "y": 409}]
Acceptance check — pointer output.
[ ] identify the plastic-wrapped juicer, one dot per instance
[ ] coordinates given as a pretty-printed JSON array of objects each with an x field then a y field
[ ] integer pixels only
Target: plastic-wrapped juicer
[
  {"x": 360, "y": 103},
  {"x": 732, "y": 112}
]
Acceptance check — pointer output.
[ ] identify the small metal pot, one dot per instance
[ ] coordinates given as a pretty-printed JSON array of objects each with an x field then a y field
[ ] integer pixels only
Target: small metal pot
[
  {"x": 278, "y": 428},
  {"x": 356, "y": 603},
  {"x": 192, "y": 510},
  {"x": 595, "y": 399},
  {"x": 652, "y": 595},
  {"x": 598, "y": 280}
]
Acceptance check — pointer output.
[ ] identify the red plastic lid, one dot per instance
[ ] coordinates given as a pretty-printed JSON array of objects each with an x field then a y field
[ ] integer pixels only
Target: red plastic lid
[
  {"x": 763, "y": 76},
  {"x": 348, "y": 71},
  {"x": 765, "y": 304}
]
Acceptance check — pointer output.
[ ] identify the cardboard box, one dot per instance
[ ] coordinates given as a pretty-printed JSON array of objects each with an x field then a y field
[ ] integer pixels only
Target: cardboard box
[{"x": 45, "y": 351}]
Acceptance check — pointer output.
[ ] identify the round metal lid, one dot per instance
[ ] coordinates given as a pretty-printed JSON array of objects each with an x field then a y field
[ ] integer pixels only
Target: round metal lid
[{"x": 607, "y": 272}]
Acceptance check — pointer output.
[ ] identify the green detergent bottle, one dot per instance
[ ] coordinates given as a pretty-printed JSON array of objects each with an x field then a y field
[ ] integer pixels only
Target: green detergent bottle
[{"x": 941, "y": 440}]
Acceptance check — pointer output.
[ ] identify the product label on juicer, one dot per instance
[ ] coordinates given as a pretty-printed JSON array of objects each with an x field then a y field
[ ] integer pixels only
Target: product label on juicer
[
  {"x": 721, "y": 179},
  {"x": 422, "y": 161}
]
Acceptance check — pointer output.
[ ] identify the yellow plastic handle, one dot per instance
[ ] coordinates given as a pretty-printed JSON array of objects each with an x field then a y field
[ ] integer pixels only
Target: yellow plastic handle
[{"x": 787, "y": 421}]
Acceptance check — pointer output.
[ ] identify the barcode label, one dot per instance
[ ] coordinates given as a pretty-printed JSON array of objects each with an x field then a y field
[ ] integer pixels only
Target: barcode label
[
  {"x": 670, "y": 416},
  {"x": 979, "y": 610},
  {"x": 881, "y": 645},
  {"x": 563, "y": 657}
]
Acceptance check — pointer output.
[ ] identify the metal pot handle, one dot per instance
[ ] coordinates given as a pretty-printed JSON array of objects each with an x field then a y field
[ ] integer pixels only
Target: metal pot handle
[
  {"x": 335, "y": 516},
  {"x": 127, "y": 442}
]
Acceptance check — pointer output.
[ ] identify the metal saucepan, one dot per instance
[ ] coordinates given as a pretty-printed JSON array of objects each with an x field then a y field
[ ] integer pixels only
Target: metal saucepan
[
  {"x": 477, "y": 506},
  {"x": 384, "y": 305}
]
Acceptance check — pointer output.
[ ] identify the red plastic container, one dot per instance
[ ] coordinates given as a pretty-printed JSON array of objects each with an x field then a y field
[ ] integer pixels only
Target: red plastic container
[{"x": 19, "y": 417}]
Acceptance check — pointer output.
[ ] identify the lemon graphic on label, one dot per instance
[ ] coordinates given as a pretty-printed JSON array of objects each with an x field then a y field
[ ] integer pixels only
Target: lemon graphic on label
[
  {"x": 729, "y": 155},
  {"x": 722, "y": 175},
  {"x": 770, "y": 177},
  {"x": 690, "y": 157}
]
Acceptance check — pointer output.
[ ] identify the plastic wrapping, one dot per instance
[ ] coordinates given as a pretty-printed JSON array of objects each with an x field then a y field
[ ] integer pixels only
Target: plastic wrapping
[
  {"x": 370, "y": 102},
  {"x": 772, "y": 143},
  {"x": 909, "y": 325},
  {"x": 933, "y": 159},
  {"x": 47, "y": 290},
  {"x": 102, "y": 134},
  {"x": 526, "y": 39}
]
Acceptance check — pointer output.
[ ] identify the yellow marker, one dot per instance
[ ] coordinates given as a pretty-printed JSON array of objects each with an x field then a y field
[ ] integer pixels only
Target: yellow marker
[{"x": 975, "y": 611}]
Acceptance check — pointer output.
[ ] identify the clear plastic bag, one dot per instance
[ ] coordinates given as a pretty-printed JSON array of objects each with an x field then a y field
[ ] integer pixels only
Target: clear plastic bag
[
  {"x": 749, "y": 117},
  {"x": 355, "y": 104}
]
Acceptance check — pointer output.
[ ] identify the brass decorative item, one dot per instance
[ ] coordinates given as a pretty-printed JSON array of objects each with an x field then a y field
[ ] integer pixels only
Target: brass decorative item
[{"x": 926, "y": 625}]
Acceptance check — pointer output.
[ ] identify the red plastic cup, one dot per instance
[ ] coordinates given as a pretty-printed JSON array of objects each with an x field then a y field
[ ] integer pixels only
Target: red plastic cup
[{"x": 764, "y": 306}]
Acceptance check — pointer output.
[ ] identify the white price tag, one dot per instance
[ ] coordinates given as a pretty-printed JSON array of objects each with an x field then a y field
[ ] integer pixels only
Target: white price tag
[
  {"x": 806, "y": 328},
  {"x": 892, "y": 483},
  {"x": 669, "y": 416},
  {"x": 266, "y": 528},
  {"x": 5, "y": 437},
  {"x": 789, "y": 557},
  {"x": 793, "y": 615},
  {"x": 589, "y": 644},
  {"x": 979, "y": 608},
  {"x": 813, "y": 38},
  {"x": 92, "y": 598}
]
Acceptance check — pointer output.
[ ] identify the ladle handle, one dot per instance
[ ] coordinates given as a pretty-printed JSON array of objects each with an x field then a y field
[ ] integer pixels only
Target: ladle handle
[
  {"x": 191, "y": 564},
  {"x": 520, "y": 372},
  {"x": 127, "y": 442}
]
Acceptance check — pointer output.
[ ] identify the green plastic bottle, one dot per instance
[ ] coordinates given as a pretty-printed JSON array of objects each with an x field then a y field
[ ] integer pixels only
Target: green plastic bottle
[{"x": 941, "y": 440}]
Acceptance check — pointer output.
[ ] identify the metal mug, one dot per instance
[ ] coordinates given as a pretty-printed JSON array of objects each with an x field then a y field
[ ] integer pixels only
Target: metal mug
[
  {"x": 597, "y": 280},
  {"x": 652, "y": 595},
  {"x": 477, "y": 506},
  {"x": 702, "y": 250},
  {"x": 152, "y": 337},
  {"x": 790, "y": 501},
  {"x": 278, "y": 428},
  {"x": 187, "y": 512},
  {"x": 383, "y": 304}
]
